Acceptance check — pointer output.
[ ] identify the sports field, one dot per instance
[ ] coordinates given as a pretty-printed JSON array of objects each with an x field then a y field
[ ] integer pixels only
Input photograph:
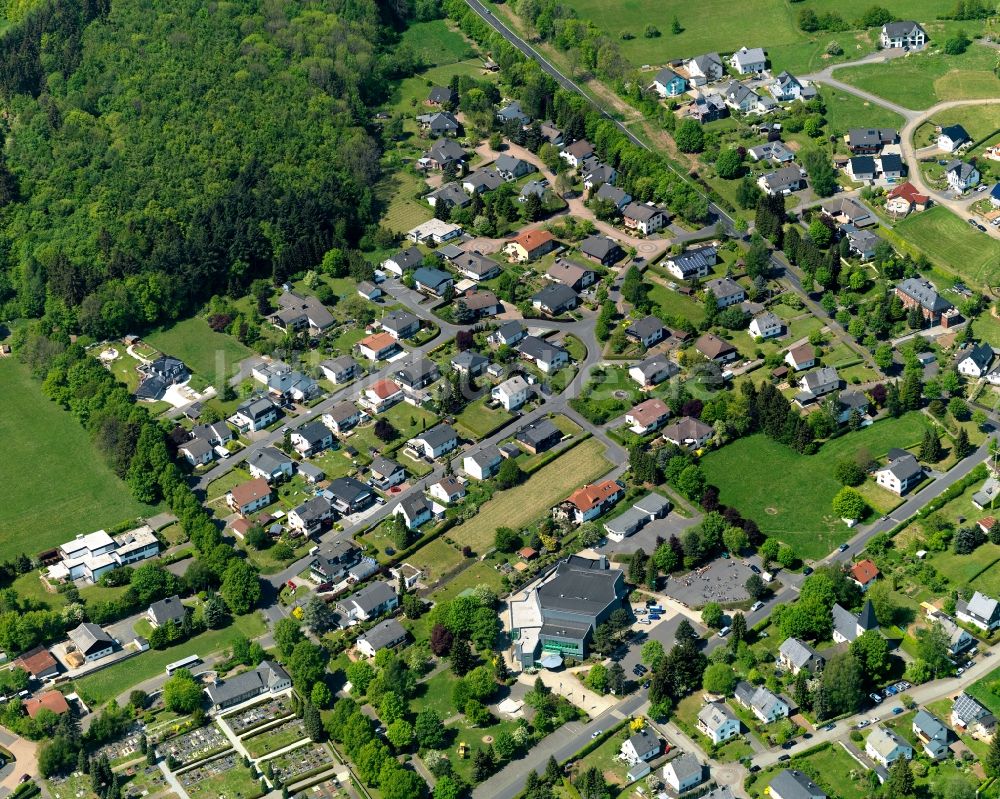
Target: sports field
[
  {"x": 788, "y": 494},
  {"x": 212, "y": 356},
  {"x": 520, "y": 506},
  {"x": 952, "y": 242},
  {"x": 55, "y": 483}
]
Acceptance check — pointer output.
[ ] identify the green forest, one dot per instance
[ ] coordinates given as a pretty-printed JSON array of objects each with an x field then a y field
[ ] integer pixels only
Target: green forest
[{"x": 159, "y": 153}]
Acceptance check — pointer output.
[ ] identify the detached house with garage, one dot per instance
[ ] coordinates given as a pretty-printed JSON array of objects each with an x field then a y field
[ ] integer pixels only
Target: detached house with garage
[
  {"x": 976, "y": 362},
  {"x": 312, "y": 438},
  {"x": 970, "y": 716},
  {"x": 981, "y": 610},
  {"x": 793, "y": 784},
  {"x": 748, "y": 61},
  {"x": 250, "y": 497},
  {"x": 410, "y": 258},
  {"x": 727, "y": 291},
  {"x": 340, "y": 370},
  {"x": 270, "y": 464},
  {"x": 704, "y": 69},
  {"x": 693, "y": 263},
  {"x": 653, "y": 371},
  {"x": 400, "y": 324},
  {"x": 369, "y": 603},
  {"x": 718, "y": 722},
  {"x": 767, "y": 325},
  {"x": 640, "y": 747},
  {"x": 602, "y": 250},
  {"x": 647, "y": 331},
  {"x": 864, "y": 573},
  {"x": 576, "y": 153},
  {"x": 378, "y": 346},
  {"x": 932, "y": 734},
  {"x": 529, "y": 245},
  {"x": 255, "y": 414},
  {"x": 715, "y": 349},
  {"x": 539, "y": 436},
  {"x": 795, "y": 655},
  {"x": 644, "y": 217},
  {"x": 766, "y": 706},
  {"x": 590, "y": 501},
  {"x": 647, "y": 416},
  {"x": 483, "y": 463},
  {"x": 961, "y": 176},
  {"x": 885, "y": 746},
  {"x": 549, "y": 358},
  {"x": 377, "y": 397},
  {"x": 613, "y": 194},
  {"x": 689, "y": 433},
  {"x": 952, "y": 138},
  {"x": 786, "y": 180},
  {"x": 513, "y": 393},
  {"x": 439, "y": 440}
]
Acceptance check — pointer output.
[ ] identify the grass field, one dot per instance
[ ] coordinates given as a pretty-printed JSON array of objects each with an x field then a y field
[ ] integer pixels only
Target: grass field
[
  {"x": 845, "y": 111},
  {"x": 519, "y": 506},
  {"x": 212, "y": 356},
  {"x": 987, "y": 691},
  {"x": 435, "y": 559},
  {"x": 403, "y": 210},
  {"x": 922, "y": 79},
  {"x": 980, "y": 121},
  {"x": 953, "y": 244},
  {"x": 436, "y": 43},
  {"x": 55, "y": 483},
  {"x": 235, "y": 783},
  {"x": 790, "y": 497},
  {"x": 476, "y": 421},
  {"x": 119, "y": 678}
]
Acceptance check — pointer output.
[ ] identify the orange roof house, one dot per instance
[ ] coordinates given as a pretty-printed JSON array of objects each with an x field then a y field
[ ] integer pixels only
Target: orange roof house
[
  {"x": 50, "y": 700},
  {"x": 864, "y": 573},
  {"x": 591, "y": 501},
  {"x": 39, "y": 663},
  {"x": 377, "y": 346},
  {"x": 250, "y": 496},
  {"x": 530, "y": 244}
]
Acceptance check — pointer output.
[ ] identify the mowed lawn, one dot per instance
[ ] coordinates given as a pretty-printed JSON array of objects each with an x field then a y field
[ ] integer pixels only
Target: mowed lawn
[
  {"x": 436, "y": 43},
  {"x": 922, "y": 79},
  {"x": 519, "y": 506},
  {"x": 788, "y": 494},
  {"x": 979, "y": 120},
  {"x": 954, "y": 244},
  {"x": 212, "y": 356},
  {"x": 845, "y": 111},
  {"x": 56, "y": 484}
]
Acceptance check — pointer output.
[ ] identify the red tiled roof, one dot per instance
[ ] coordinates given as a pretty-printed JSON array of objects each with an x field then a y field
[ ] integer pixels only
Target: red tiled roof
[
  {"x": 51, "y": 700},
  {"x": 864, "y": 571},
  {"x": 527, "y": 553},
  {"x": 591, "y": 496},
  {"x": 37, "y": 662},
  {"x": 645, "y": 413},
  {"x": 532, "y": 239},
  {"x": 909, "y": 192},
  {"x": 987, "y": 524},
  {"x": 384, "y": 389},
  {"x": 247, "y": 492},
  {"x": 377, "y": 342}
]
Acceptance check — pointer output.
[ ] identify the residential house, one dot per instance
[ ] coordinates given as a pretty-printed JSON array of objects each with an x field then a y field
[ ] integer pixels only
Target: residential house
[
  {"x": 554, "y": 299},
  {"x": 483, "y": 463},
  {"x": 386, "y": 634},
  {"x": 864, "y": 573},
  {"x": 901, "y": 473},
  {"x": 570, "y": 275},
  {"x": 292, "y": 386},
  {"x": 385, "y": 473},
  {"x": 300, "y": 313},
  {"x": 508, "y": 334},
  {"x": 786, "y": 180},
  {"x": 407, "y": 574},
  {"x": 418, "y": 374},
  {"x": 766, "y": 706},
  {"x": 816, "y": 384},
  {"x": 440, "y": 123},
  {"x": 861, "y": 168},
  {"x": 159, "y": 375},
  {"x": 891, "y": 167},
  {"x": 689, "y": 433},
  {"x": 653, "y": 370},
  {"x": 647, "y": 416},
  {"x": 786, "y": 88},
  {"x": 53, "y": 701},
  {"x": 433, "y": 281},
  {"x": 595, "y": 173},
  {"x": 481, "y": 303},
  {"x": 529, "y": 245},
  {"x": 775, "y": 151},
  {"x": 612, "y": 194},
  {"x": 378, "y": 346},
  {"x": 511, "y": 168},
  {"x": 372, "y": 601},
  {"x": 447, "y": 490},
  {"x": 961, "y": 176},
  {"x": 641, "y": 746},
  {"x": 990, "y": 490},
  {"x": 166, "y": 610},
  {"x": 870, "y": 141},
  {"x": 216, "y": 433},
  {"x": 343, "y": 416},
  {"x": 647, "y": 331},
  {"x": 847, "y": 626},
  {"x": 482, "y": 181},
  {"x": 469, "y": 363},
  {"x": 644, "y": 217},
  {"x": 512, "y": 393},
  {"x": 331, "y": 562},
  {"x": 904, "y": 198},
  {"x": 512, "y": 113},
  {"x": 693, "y": 263},
  {"x": 250, "y": 497},
  {"x": 549, "y": 358},
  {"x": 434, "y": 231},
  {"x": 309, "y": 517},
  {"x": 995, "y": 196},
  {"x": 39, "y": 663},
  {"x": 268, "y": 678},
  {"x": 403, "y": 261},
  {"x": 443, "y": 154},
  {"x": 591, "y": 501},
  {"x": 952, "y": 138},
  {"x": 727, "y": 291},
  {"x": 885, "y": 746},
  {"x": 270, "y": 464},
  {"x": 916, "y": 292},
  {"x": 684, "y": 772},
  {"x": 647, "y": 509},
  {"x": 311, "y": 438},
  {"x": 197, "y": 451},
  {"x": 91, "y": 642},
  {"x": 793, "y": 784},
  {"x": 795, "y": 655},
  {"x": 441, "y": 95},
  {"x": 415, "y": 510},
  {"x": 448, "y": 195},
  {"x": 742, "y": 98},
  {"x": 959, "y": 639},
  {"x": 340, "y": 370},
  {"x": 538, "y": 436},
  {"x": 348, "y": 495},
  {"x": 704, "y": 69},
  {"x": 766, "y": 325},
  {"x": 475, "y": 266},
  {"x": 905, "y": 33},
  {"x": 576, "y": 153},
  {"x": 932, "y": 734},
  {"x": 707, "y": 108},
  {"x": 400, "y": 324},
  {"x": 748, "y": 61},
  {"x": 981, "y": 610},
  {"x": 311, "y": 473},
  {"x": 439, "y": 440},
  {"x": 551, "y": 133},
  {"x": 862, "y": 243},
  {"x": 255, "y": 414},
  {"x": 668, "y": 83},
  {"x": 971, "y": 717},
  {"x": 718, "y": 722},
  {"x": 715, "y": 349},
  {"x": 601, "y": 249},
  {"x": 977, "y": 360}
]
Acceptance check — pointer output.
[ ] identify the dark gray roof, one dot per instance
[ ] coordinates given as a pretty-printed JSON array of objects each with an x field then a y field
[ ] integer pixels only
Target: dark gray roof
[
  {"x": 469, "y": 359},
  {"x": 956, "y": 133},
  {"x": 438, "y": 435},
  {"x": 441, "y": 94},
  {"x": 870, "y": 137},
  {"x": 968, "y": 709},
  {"x": 255, "y": 407},
  {"x": 981, "y": 355},
  {"x": 587, "y": 591},
  {"x": 612, "y": 194},
  {"x": 685, "y": 767},
  {"x": 863, "y": 164},
  {"x": 892, "y": 162},
  {"x": 905, "y": 467},
  {"x": 450, "y": 194},
  {"x": 923, "y": 291},
  {"x": 539, "y": 349},
  {"x": 902, "y": 28},
  {"x": 386, "y": 633},
  {"x": 556, "y": 296},
  {"x": 266, "y": 674},
  {"x": 314, "y": 432},
  {"x": 348, "y": 490},
  {"x": 169, "y": 609},
  {"x": 372, "y": 595},
  {"x": 89, "y": 638},
  {"x": 269, "y": 459},
  {"x": 342, "y": 411},
  {"x": 793, "y": 784},
  {"x": 445, "y": 150},
  {"x": 313, "y": 510},
  {"x": 645, "y": 327},
  {"x": 536, "y": 432},
  {"x": 599, "y": 246},
  {"x": 641, "y": 212},
  {"x": 665, "y": 75},
  {"x": 399, "y": 320},
  {"x": 409, "y": 257},
  {"x": 488, "y": 179},
  {"x": 414, "y": 504},
  {"x": 796, "y": 652},
  {"x": 384, "y": 466},
  {"x": 486, "y": 455}
]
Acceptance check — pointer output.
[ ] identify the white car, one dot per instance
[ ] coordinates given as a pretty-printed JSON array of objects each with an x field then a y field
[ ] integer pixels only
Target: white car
[{"x": 756, "y": 606}]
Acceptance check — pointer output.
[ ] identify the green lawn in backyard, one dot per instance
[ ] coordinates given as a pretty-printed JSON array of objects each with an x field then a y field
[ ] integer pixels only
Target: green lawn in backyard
[
  {"x": 987, "y": 328},
  {"x": 952, "y": 243},
  {"x": 117, "y": 679},
  {"x": 829, "y": 766},
  {"x": 987, "y": 690},
  {"x": 922, "y": 79},
  {"x": 235, "y": 783},
  {"x": 676, "y": 304},
  {"x": 436, "y": 43},
  {"x": 845, "y": 111},
  {"x": 435, "y": 694},
  {"x": 521, "y": 505},
  {"x": 980, "y": 121},
  {"x": 212, "y": 356},
  {"x": 408, "y": 420},
  {"x": 56, "y": 484},
  {"x": 435, "y": 559},
  {"x": 476, "y": 421},
  {"x": 481, "y": 573},
  {"x": 605, "y": 758},
  {"x": 335, "y": 462},
  {"x": 788, "y": 494},
  {"x": 403, "y": 210}
]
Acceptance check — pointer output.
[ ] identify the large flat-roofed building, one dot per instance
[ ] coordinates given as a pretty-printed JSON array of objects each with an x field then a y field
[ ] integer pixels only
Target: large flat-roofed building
[
  {"x": 89, "y": 557},
  {"x": 560, "y": 613}
]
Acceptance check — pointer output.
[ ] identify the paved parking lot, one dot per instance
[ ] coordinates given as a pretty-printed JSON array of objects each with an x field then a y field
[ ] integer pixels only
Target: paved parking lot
[
  {"x": 721, "y": 581},
  {"x": 662, "y": 631},
  {"x": 645, "y": 539}
]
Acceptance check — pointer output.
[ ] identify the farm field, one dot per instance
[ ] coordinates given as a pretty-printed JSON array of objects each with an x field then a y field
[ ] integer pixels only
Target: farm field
[
  {"x": 923, "y": 79},
  {"x": 795, "y": 507},
  {"x": 949, "y": 241},
  {"x": 212, "y": 356},
  {"x": 518, "y": 506},
  {"x": 51, "y": 464}
]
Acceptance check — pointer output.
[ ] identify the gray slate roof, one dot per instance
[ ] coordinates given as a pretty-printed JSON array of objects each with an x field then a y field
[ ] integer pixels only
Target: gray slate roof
[{"x": 385, "y": 633}]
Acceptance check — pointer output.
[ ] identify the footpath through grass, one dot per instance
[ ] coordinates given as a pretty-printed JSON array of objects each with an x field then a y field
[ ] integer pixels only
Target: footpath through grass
[
  {"x": 789, "y": 494},
  {"x": 55, "y": 483}
]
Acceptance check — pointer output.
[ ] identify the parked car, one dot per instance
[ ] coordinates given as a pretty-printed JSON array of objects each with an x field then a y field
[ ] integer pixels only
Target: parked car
[
  {"x": 724, "y": 631},
  {"x": 896, "y": 711},
  {"x": 843, "y": 547},
  {"x": 597, "y": 733},
  {"x": 783, "y": 758},
  {"x": 829, "y": 726},
  {"x": 807, "y": 570},
  {"x": 646, "y": 684},
  {"x": 756, "y": 606},
  {"x": 755, "y": 568},
  {"x": 862, "y": 724},
  {"x": 876, "y": 698}
]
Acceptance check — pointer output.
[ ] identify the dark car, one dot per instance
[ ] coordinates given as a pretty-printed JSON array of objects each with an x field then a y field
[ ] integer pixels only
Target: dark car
[
  {"x": 646, "y": 684},
  {"x": 783, "y": 758},
  {"x": 807, "y": 570},
  {"x": 754, "y": 768},
  {"x": 754, "y": 568},
  {"x": 788, "y": 744},
  {"x": 843, "y": 547}
]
